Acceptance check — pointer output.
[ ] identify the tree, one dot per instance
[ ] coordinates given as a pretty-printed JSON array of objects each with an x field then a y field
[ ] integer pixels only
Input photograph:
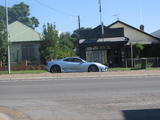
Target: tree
[
  {"x": 19, "y": 12},
  {"x": 54, "y": 46},
  {"x": 138, "y": 48},
  {"x": 49, "y": 43},
  {"x": 3, "y": 42},
  {"x": 81, "y": 33},
  {"x": 65, "y": 46},
  {"x": 78, "y": 34}
]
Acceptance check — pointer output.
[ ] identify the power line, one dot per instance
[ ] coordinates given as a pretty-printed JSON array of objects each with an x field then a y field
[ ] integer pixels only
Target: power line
[{"x": 55, "y": 10}]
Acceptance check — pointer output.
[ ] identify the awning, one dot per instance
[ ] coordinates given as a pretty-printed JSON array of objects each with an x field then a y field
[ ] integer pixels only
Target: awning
[{"x": 103, "y": 40}]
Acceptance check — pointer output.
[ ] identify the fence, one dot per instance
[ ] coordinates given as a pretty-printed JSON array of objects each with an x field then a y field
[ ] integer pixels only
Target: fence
[
  {"x": 24, "y": 65},
  {"x": 143, "y": 62}
]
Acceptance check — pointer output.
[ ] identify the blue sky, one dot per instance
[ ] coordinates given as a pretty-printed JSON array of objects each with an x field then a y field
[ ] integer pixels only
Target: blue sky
[{"x": 64, "y": 12}]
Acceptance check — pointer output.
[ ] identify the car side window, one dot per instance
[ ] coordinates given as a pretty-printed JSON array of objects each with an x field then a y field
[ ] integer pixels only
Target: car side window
[
  {"x": 73, "y": 60},
  {"x": 69, "y": 60},
  {"x": 77, "y": 60}
]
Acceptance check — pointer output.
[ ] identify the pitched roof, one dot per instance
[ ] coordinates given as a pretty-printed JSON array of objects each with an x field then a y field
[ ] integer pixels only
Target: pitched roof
[
  {"x": 156, "y": 33},
  {"x": 118, "y": 21},
  {"x": 96, "y": 33},
  {"x": 18, "y": 32}
]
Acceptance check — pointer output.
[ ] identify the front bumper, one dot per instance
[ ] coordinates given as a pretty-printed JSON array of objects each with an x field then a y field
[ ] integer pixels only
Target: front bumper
[{"x": 103, "y": 69}]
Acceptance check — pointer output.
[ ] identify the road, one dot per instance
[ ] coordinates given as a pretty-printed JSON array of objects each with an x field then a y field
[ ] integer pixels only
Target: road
[{"x": 109, "y": 98}]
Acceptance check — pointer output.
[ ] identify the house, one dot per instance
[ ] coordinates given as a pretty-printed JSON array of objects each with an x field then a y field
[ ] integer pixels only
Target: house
[
  {"x": 25, "y": 43},
  {"x": 115, "y": 46},
  {"x": 156, "y": 33}
]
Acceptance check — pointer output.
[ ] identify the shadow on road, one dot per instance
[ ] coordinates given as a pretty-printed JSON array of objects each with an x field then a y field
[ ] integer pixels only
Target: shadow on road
[{"x": 148, "y": 114}]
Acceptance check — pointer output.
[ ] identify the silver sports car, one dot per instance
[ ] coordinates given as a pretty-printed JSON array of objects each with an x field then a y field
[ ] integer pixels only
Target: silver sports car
[{"x": 74, "y": 64}]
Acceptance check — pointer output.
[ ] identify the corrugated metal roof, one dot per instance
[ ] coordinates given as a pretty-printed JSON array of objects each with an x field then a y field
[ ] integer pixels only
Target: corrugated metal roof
[
  {"x": 115, "y": 39},
  {"x": 156, "y": 33},
  {"x": 19, "y": 32},
  {"x": 103, "y": 40}
]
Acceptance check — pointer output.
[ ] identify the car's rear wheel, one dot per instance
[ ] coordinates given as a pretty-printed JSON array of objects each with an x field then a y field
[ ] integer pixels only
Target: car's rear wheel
[
  {"x": 93, "y": 68},
  {"x": 55, "y": 69}
]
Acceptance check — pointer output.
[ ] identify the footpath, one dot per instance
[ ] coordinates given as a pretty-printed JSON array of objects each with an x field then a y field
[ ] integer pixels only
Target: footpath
[{"x": 80, "y": 75}]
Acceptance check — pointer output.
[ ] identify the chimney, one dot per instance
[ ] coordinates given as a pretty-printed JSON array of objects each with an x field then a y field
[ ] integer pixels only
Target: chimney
[{"x": 141, "y": 28}]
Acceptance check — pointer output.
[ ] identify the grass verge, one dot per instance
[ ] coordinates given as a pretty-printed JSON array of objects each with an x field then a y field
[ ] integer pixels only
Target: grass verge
[
  {"x": 43, "y": 71},
  {"x": 24, "y": 72},
  {"x": 119, "y": 69}
]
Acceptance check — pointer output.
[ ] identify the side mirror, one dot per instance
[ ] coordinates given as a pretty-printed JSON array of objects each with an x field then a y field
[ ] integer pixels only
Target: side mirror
[{"x": 81, "y": 62}]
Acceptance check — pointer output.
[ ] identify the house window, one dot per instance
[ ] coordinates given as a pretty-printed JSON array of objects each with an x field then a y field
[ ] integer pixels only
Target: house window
[
  {"x": 97, "y": 56},
  {"x": 28, "y": 52}
]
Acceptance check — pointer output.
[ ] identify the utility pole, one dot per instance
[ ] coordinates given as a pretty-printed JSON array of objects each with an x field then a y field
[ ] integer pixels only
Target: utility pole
[
  {"x": 131, "y": 54},
  {"x": 79, "y": 23},
  {"x": 100, "y": 13},
  {"x": 9, "y": 62}
]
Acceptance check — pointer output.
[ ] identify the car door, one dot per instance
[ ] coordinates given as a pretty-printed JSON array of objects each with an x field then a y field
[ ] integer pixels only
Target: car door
[
  {"x": 77, "y": 65},
  {"x": 72, "y": 65},
  {"x": 68, "y": 65}
]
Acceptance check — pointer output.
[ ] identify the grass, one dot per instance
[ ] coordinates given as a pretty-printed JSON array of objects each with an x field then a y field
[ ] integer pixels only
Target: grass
[
  {"x": 43, "y": 71},
  {"x": 24, "y": 72},
  {"x": 128, "y": 69},
  {"x": 151, "y": 68},
  {"x": 119, "y": 69}
]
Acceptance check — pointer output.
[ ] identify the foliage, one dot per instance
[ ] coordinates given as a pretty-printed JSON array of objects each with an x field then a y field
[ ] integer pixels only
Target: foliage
[
  {"x": 65, "y": 46},
  {"x": 78, "y": 34},
  {"x": 49, "y": 42},
  {"x": 3, "y": 42},
  {"x": 54, "y": 46},
  {"x": 138, "y": 48},
  {"x": 81, "y": 33},
  {"x": 19, "y": 12}
]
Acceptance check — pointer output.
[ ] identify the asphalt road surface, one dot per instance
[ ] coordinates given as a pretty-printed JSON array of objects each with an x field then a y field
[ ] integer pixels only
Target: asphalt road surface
[{"x": 113, "y": 98}]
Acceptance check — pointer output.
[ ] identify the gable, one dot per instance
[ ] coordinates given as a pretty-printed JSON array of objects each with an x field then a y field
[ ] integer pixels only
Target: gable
[
  {"x": 19, "y": 32},
  {"x": 135, "y": 35}
]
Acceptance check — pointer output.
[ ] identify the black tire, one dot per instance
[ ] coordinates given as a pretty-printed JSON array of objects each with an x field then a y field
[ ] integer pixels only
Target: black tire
[
  {"x": 55, "y": 69},
  {"x": 93, "y": 68}
]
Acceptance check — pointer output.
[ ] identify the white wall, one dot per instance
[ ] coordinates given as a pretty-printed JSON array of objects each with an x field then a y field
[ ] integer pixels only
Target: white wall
[{"x": 134, "y": 35}]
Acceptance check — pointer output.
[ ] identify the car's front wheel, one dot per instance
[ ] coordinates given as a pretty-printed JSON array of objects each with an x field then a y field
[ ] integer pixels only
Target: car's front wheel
[
  {"x": 93, "y": 68},
  {"x": 55, "y": 69}
]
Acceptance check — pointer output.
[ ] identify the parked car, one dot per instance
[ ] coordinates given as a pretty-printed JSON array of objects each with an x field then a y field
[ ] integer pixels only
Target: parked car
[{"x": 74, "y": 64}]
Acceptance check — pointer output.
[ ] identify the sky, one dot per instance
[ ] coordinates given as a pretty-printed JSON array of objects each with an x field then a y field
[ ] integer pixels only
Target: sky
[{"x": 64, "y": 13}]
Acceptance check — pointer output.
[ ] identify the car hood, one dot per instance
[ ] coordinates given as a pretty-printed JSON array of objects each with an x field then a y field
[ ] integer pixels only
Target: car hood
[{"x": 98, "y": 64}]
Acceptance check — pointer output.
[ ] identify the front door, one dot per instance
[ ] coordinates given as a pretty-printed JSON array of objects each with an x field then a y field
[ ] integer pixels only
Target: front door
[{"x": 114, "y": 57}]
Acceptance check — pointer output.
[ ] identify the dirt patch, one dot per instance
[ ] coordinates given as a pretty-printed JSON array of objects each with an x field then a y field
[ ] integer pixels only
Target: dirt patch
[{"x": 11, "y": 114}]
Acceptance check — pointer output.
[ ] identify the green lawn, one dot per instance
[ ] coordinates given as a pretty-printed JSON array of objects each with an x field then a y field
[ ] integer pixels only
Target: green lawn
[
  {"x": 43, "y": 71},
  {"x": 119, "y": 69},
  {"x": 128, "y": 69},
  {"x": 24, "y": 72}
]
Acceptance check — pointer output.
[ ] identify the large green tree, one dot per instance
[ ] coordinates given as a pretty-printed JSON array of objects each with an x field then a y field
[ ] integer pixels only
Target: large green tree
[
  {"x": 3, "y": 42},
  {"x": 19, "y": 12},
  {"x": 54, "y": 45},
  {"x": 49, "y": 43},
  {"x": 65, "y": 46}
]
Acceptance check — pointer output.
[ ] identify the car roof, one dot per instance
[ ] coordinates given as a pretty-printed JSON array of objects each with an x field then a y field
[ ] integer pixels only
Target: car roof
[{"x": 71, "y": 57}]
